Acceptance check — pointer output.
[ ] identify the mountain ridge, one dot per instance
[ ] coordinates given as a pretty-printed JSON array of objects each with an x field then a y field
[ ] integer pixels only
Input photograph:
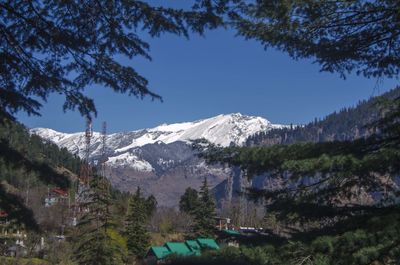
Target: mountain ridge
[
  {"x": 161, "y": 160},
  {"x": 223, "y": 130}
]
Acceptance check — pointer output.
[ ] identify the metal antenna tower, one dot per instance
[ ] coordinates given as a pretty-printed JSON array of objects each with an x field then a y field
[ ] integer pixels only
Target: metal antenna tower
[
  {"x": 82, "y": 185},
  {"x": 84, "y": 176},
  {"x": 103, "y": 158}
]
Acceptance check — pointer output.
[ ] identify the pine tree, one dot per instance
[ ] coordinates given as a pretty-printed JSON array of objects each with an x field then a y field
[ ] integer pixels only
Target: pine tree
[
  {"x": 204, "y": 213},
  {"x": 136, "y": 222},
  {"x": 95, "y": 245},
  {"x": 189, "y": 201},
  {"x": 151, "y": 205}
]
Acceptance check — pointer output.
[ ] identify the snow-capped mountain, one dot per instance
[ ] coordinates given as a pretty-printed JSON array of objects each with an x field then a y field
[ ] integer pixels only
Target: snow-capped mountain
[
  {"x": 224, "y": 130},
  {"x": 161, "y": 157}
]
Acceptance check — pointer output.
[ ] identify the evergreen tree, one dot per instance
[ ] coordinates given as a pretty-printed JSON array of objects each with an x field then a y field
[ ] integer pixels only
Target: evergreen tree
[
  {"x": 151, "y": 205},
  {"x": 189, "y": 201},
  {"x": 204, "y": 213},
  {"x": 136, "y": 225},
  {"x": 94, "y": 244}
]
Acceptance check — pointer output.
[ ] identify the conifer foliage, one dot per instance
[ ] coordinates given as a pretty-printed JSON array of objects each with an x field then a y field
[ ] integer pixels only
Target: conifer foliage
[
  {"x": 94, "y": 245},
  {"x": 341, "y": 36},
  {"x": 345, "y": 125},
  {"x": 204, "y": 213},
  {"x": 140, "y": 210},
  {"x": 189, "y": 201},
  {"x": 200, "y": 206}
]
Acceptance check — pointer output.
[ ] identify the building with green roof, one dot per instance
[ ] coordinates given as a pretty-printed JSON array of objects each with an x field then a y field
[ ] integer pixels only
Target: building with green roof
[
  {"x": 194, "y": 246},
  {"x": 179, "y": 248},
  {"x": 231, "y": 232},
  {"x": 207, "y": 243},
  {"x": 157, "y": 254}
]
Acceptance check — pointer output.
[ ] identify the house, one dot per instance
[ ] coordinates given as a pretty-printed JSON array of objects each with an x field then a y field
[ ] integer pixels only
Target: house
[
  {"x": 179, "y": 248},
  {"x": 3, "y": 214},
  {"x": 3, "y": 218},
  {"x": 208, "y": 243},
  {"x": 158, "y": 254},
  {"x": 56, "y": 196},
  {"x": 194, "y": 246}
]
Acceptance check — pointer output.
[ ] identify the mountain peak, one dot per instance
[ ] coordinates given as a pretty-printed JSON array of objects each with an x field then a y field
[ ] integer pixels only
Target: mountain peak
[{"x": 224, "y": 130}]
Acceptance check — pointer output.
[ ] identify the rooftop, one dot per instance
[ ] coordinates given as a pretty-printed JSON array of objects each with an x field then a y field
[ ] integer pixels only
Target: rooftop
[
  {"x": 179, "y": 248},
  {"x": 207, "y": 243},
  {"x": 160, "y": 252},
  {"x": 187, "y": 248}
]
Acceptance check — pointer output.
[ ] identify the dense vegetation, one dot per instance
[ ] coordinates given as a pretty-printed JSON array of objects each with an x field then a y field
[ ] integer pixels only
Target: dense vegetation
[
  {"x": 201, "y": 206},
  {"x": 343, "y": 195},
  {"x": 31, "y": 167},
  {"x": 362, "y": 245},
  {"x": 96, "y": 238},
  {"x": 27, "y": 166},
  {"x": 140, "y": 210},
  {"x": 346, "y": 125}
]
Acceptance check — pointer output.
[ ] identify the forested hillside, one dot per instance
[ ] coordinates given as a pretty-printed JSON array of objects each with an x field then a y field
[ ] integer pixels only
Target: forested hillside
[
  {"x": 16, "y": 140},
  {"x": 347, "y": 124},
  {"x": 29, "y": 167}
]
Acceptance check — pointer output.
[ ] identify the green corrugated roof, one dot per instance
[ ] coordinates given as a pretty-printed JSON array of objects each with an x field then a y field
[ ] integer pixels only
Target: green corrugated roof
[
  {"x": 194, "y": 246},
  {"x": 207, "y": 243},
  {"x": 179, "y": 248},
  {"x": 160, "y": 252},
  {"x": 231, "y": 232}
]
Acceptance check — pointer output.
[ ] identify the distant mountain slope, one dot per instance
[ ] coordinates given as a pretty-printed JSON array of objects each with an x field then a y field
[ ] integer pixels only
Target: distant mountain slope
[
  {"x": 29, "y": 168},
  {"x": 161, "y": 159},
  {"x": 224, "y": 130},
  {"x": 347, "y": 124}
]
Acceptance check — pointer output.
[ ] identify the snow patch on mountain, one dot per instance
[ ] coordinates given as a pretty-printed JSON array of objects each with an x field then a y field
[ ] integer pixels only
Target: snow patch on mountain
[
  {"x": 129, "y": 160},
  {"x": 223, "y": 130}
]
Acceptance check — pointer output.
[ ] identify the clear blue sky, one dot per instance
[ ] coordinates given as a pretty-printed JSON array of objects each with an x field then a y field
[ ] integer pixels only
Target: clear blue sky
[{"x": 215, "y": 74}]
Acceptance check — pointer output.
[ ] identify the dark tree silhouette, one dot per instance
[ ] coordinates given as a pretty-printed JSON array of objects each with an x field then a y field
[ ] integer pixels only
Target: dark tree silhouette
[
  {"x": 65, "y": 47},
  {"x": 342, "y": 36}
]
